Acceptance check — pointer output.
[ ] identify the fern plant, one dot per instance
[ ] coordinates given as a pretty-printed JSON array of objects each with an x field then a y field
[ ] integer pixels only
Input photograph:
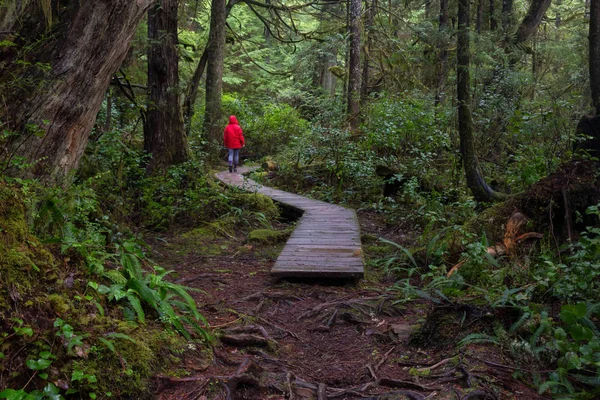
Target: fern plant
[{"x": 139, "y": 289}]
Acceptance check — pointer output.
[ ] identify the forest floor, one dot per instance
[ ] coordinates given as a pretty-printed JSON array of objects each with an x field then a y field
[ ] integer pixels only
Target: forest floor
[{"x": 281, "y": 339}]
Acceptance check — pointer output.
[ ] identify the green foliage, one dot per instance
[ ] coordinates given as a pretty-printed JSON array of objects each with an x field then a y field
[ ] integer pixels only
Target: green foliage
[{"x": 575, "y": 277}]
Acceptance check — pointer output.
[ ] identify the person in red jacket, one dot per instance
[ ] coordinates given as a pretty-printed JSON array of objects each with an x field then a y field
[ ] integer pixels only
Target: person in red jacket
[{"x": 233, "y": 137}]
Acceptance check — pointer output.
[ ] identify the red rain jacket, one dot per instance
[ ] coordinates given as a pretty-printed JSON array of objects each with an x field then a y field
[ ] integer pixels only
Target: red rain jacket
[{"x": 233, "y": 135}]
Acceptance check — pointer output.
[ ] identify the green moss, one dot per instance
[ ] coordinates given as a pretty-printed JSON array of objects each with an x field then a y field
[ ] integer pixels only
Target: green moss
[
  {"x": 268, "y": 236},
  {"x": 60, "y": 303},
  {"x": 200, "y": 234},
  {"x": 22, "y": 257},
  {"x": 256, "y": 202}
]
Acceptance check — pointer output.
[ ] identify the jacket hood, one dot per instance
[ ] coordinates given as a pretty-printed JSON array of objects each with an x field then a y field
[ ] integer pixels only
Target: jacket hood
[{"x": 233, "y": 120}]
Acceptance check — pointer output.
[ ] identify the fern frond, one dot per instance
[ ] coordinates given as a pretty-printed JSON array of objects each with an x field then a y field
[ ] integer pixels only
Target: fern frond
[
  {"x": 135, "y": 303},
  {"x": 478, "y": 338}
]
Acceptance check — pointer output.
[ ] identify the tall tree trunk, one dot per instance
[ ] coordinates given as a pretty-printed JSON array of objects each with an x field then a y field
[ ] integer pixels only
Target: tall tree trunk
[
  {"x": 192, "y": 92},
  {"x": 493, "y": 20},
  {"x": 164, "y": 134},
  {"x": 507, "y": 6},
  {"x": 442, "y": 64},
  {"x": 479, "y": 17},
  {"x": 63, "y": 81},
  {"x": 214, "y": 73},
  {"x": 192, "y": 88},
  {"x": 531, "y": 21},
  {"x": 370, "y": 16},
  {"x": 354, "y": 63},
  {"x": 475, "y": 181},
  {"x": 594, "y": 43}
]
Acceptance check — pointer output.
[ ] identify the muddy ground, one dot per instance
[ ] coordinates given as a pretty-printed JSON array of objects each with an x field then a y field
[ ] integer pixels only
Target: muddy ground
[{"x": 279, "y": 339}]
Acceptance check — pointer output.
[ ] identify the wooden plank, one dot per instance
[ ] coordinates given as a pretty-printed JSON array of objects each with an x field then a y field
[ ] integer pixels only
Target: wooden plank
[{"x": 325, "y": 242}]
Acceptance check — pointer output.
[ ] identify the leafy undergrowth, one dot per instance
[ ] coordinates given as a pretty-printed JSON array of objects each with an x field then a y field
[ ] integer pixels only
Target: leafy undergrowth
[{"x": 83, "y": 321}]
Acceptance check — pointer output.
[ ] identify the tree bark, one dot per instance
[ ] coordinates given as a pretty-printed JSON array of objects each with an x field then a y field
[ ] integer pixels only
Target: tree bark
[
  {"x": 214, "y": 73},
  {"x": 354, "y": 63},
  {"x": 442, "y": 64},
  {"x": 533, "y": 18},
  {"x": 192, "y": 88},
  {"x": 594, "y": 43},
  {"x": 507, "y": 6},
  {"x": 370, "y": 16},
  {"x": 164, "y": 134},
  {"x": 52, "y": 102},
  {"x": 475, "y": 181},
  {"x": 493, "y": 20}
]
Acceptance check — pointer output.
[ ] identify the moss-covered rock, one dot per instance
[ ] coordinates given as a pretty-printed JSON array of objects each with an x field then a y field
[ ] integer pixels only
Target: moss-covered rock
[
  {"x": 268, "y": 236},
  {"x": 256, "y": 202}
]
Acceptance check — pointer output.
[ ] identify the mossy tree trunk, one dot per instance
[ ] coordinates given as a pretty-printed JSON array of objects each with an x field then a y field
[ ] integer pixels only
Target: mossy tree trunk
[
  {"x": 353, "y": 99},
  {"x": 594, "y": 43},
  {"x": 481, "y": 191},
  {"x": 164, "y": 133},
  {"x": 214, "y": 73},
  {"x": 54, "y": 78}
]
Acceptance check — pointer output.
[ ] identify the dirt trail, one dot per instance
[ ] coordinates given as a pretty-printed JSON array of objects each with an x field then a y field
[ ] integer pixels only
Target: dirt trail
[{"x": 313, "y": 340}]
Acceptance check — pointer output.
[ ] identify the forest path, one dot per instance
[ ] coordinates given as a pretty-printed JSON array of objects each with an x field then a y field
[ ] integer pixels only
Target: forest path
[{"x": 325, "y": 242}]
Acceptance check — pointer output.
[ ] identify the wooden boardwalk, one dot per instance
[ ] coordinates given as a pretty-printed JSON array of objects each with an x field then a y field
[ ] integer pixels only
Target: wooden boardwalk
[{"x": 325, "y": 242}]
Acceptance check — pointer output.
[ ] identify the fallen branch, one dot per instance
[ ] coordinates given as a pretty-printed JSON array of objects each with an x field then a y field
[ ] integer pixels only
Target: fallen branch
[{"x": 244, "y": 339}]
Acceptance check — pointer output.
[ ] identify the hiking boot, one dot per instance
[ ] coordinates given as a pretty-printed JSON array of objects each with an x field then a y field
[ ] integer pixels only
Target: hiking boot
[
  {"x": 235, "y": 168},
  {"x": 230, "y": 169}
]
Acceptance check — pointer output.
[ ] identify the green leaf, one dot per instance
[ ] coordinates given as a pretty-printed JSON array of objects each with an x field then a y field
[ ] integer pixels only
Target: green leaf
[
  {"x": 43, "y": 375},
  {"x": 579, "y": 332},
  {"x": 76, "y": 376},
  {"x": 108, "y": 343},
  {"x": 92, "y": 395},
  {"x": 572, "y": 361},
  {"x": 580, "y": 310},
  {"x": 11, "y": 394},
  {"x": 45, "y": 355},
  {"x": 39, "y": 364},
  {"x": 567, "y": 316}
]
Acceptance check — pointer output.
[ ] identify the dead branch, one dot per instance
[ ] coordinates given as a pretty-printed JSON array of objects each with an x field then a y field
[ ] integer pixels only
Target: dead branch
[
  {"x": 244, "y": 340},
  {"x": 272, "y": 296},
  {"x": 395, "y": 383},
  {"x": 322, "y": 392}
]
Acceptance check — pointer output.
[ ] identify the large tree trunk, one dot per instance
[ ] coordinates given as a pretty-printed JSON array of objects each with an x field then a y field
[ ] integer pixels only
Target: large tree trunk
[
  {"x": 164, "y": 134},
  {"x": 52, "y": 99},
  {"x": 594, "y": 43},
  {"x": 481, "y": 191},
  {"x": 214, "y": 73},
  {"x": 354, "y": 63}
]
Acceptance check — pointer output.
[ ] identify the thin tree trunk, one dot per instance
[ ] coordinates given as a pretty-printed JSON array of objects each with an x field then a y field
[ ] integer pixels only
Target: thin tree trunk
[
  {"x": 479, "y": 16},
  {"x": 442, "y": 64},
  {"x": 214, "y": 73},
  {"x": 507, "y": 6},
  {"x": 354, "y": 63},
  {"x": 493, "y": 21},
  {"x": 370, "y": 16},
  {"x": 108, "y": 121},
  {"x": 164, "y": 133},
  {"x": 475, "y": 181},
  {"x": 192, "y": 92},
  {"x": 594, "y": 43},
  {"x": 192, "y": 89},
  {"x": 54, "y": 115}
]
